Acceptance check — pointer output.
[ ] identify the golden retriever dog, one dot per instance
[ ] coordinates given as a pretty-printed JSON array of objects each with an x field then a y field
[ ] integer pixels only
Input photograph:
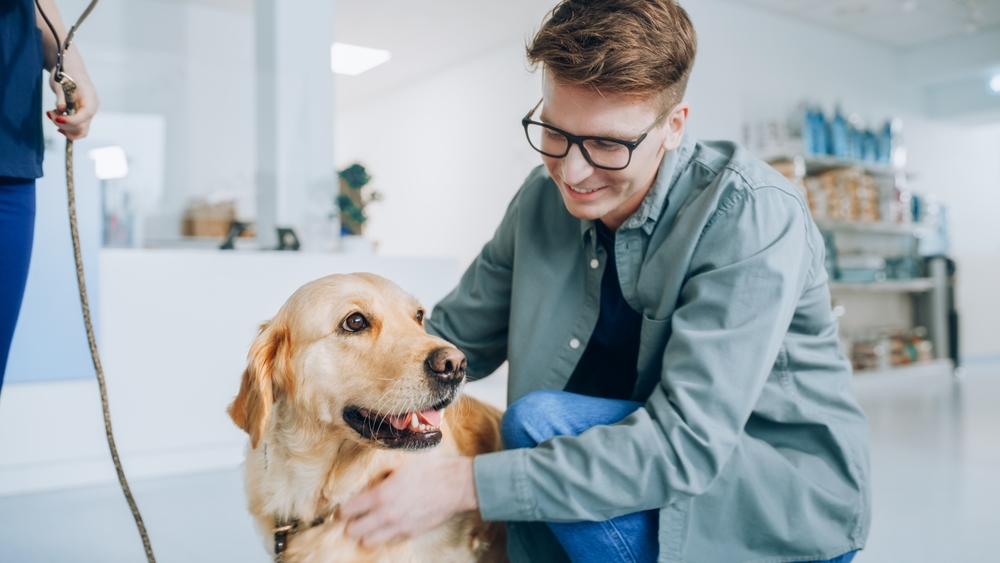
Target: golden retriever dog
[{"x": 342, "y": 386}]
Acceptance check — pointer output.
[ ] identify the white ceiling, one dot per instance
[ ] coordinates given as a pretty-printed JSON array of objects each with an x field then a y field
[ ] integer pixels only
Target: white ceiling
[
  {"x": 895, "y": 23},
  {"x": 427, "y": 35}
]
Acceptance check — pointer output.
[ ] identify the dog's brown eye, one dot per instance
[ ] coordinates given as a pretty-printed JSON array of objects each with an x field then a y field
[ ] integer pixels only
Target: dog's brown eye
[
  {"x": 420, "y": 316},
  {"x": 355, "y": 322}
]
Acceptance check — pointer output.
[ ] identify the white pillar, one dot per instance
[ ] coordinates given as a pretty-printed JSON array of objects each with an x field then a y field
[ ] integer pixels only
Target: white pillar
[{"x": 295, "y": 170}]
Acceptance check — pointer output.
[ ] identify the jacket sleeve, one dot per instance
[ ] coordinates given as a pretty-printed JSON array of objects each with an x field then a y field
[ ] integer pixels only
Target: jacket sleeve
[
  {"x": 476, "y": 314},
  {"x": 745, "y": 278}
]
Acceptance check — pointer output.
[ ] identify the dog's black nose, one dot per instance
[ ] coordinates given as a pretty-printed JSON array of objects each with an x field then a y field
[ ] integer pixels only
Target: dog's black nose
[{"x": 448, "y": 364}]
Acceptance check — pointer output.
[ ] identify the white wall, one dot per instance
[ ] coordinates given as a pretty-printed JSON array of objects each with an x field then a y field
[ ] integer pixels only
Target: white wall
[
  {"x": 192, "y": 63},
  {"x": 446, "y": 185},
  {"x": 961, "y": 164},
  {"x": 447, "y": 153}
]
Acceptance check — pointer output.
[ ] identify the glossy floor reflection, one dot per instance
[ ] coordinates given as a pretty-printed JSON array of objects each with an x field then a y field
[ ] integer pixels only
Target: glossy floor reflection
[
  {"x": 936, "y": 486},
  {"x": 935, "y": 469}
]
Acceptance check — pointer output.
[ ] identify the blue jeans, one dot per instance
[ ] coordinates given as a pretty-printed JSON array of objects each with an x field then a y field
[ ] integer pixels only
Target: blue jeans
[
  {"x": 631, "y": 538},
  {"x": 17, "y": 231}
]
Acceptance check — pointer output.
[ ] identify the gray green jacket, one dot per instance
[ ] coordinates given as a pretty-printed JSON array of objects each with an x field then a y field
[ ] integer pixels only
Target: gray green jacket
[{"x": 751, "y": 442}]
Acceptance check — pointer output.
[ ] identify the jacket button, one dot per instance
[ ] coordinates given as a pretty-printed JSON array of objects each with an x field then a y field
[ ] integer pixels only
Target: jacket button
[
  {"x": 574, "y": 344},
  {"x": 594, "y": 263}
]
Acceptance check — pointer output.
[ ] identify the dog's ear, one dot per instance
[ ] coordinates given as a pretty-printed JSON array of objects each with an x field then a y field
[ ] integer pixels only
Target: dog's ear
[{"x": 266, "y": 376}]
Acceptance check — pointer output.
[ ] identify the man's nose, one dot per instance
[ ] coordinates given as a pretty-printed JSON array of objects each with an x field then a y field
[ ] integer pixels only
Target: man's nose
[{"x": 576, "y": 169}]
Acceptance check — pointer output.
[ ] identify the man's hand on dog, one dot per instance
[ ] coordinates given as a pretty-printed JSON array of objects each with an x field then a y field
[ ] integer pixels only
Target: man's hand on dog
[{"x": 411, "y": 500}]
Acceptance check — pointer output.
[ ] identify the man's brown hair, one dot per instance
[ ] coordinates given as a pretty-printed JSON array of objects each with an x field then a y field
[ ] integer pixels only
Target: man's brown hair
[{"x": 639, "y": 47}]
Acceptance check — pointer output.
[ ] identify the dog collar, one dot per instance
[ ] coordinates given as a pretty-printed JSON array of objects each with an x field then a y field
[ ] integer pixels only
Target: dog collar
[{"x": 285, "y": 528}]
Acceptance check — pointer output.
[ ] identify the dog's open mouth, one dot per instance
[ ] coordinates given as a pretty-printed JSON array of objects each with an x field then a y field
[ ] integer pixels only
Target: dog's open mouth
[{"x": 412, "y": 431}]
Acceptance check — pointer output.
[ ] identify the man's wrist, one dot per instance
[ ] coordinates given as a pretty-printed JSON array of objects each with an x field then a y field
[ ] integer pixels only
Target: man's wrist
[{"x": 465, "y": 472}]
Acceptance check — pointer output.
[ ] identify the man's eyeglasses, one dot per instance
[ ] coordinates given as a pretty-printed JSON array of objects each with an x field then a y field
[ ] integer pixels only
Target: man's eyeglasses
[{"x": 605, "y": 153}]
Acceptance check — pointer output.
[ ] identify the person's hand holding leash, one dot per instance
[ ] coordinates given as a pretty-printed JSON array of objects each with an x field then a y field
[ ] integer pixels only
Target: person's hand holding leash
[
  {"x": 411, "y": 500},
  {"x": 74, "y": 126}
]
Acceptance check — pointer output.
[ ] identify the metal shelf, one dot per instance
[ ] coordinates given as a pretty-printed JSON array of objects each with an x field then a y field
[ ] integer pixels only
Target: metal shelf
[
  {"x": 919, "y": 285},
  {"x": 872, "y": 227},
  {"x": 816, "y": 164},
  {"x": 923, "y": 369},
  {"x": 820, "y": 164}
]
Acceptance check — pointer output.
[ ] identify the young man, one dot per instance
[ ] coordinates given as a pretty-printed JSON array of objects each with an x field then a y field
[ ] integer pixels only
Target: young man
[{"x": 676, "y": 384}]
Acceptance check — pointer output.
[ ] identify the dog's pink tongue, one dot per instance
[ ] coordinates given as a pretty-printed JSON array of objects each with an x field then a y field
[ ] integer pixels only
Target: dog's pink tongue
[
  {"x": 402, "y": 421},
  {"x": 430, "y": 416},
  {"x": 399, "y": 422}
]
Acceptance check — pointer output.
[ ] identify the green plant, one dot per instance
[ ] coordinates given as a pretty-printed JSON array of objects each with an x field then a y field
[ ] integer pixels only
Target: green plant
[
  {"x": 355, "y": 175},
  {"x": 352, "y": 198}
]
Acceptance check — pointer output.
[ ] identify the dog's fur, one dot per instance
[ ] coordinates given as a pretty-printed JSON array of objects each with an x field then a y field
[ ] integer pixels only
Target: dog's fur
[{"x": 306, "y": 371}]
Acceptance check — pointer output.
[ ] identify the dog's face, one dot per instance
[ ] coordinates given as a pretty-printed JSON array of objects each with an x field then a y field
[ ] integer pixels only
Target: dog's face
[{"x": 349, "y": 353}]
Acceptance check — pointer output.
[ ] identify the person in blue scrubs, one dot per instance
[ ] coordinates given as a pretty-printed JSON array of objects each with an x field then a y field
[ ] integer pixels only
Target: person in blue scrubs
[{"x": 27, "y": 46}]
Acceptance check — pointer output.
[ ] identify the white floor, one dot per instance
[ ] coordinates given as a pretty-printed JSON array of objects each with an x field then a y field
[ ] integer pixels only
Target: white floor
[{"x": 935, "y": 461}]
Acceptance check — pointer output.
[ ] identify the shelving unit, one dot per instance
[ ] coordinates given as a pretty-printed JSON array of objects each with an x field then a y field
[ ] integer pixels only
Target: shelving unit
[
  {"x": 919, "y": 285},
  {"x": 815, "y": 164},
  {"x": 873, "y": 310},
  {"x": 928, "y": 295},
  {"x": 880, "y": 227},
  {"x": 923, "y": 369}
]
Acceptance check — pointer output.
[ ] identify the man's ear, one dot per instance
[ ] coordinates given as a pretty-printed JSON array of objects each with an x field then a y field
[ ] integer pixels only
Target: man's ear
[
  {"x": 675, "y": 123},
  {"x": 267, "y": 374}
]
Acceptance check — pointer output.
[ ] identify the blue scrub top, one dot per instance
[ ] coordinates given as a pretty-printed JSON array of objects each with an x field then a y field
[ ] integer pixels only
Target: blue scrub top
[{"x": 21, "y": 63}]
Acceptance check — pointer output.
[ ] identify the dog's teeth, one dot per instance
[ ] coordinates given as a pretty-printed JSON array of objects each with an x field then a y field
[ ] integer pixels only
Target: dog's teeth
[{"x": 414, "y": 423}]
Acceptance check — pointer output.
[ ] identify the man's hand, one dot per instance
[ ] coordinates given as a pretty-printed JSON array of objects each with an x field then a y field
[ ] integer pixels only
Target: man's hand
[{"x": 413, "y": 499}]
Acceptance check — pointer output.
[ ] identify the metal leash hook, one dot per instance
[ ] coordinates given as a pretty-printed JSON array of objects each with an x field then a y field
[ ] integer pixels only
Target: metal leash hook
[{"x": 69, "y": 92}]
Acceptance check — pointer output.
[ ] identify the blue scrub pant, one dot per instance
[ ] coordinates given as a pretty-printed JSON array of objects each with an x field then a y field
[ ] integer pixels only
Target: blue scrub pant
[
  {"x": 17, "y": 230},
  {"x": 631, "y": 538}
]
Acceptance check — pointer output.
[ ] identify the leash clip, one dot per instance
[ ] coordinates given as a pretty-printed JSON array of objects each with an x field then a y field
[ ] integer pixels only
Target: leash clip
[{"x": 281, "y": 534}]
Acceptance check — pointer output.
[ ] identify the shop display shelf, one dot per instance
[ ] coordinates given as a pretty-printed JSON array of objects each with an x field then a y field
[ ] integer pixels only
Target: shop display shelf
[
  {"x": 820, "y": 164},
  {"x": 939, "y": 367},
  {"x": 918, "y": 285},
  {"x": 817, "y": 164},
  {"x": 870, "y": 227}
]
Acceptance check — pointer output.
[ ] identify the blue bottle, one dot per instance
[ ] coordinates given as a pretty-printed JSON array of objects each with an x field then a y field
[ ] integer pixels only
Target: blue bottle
[
  {"x": 869, "y": 146},
  {"x": 838, "y": 135},
  {"x": 822, "y": 133},
  {"x": 808, "y": 132},
  {"x": 885, "y": 144}
]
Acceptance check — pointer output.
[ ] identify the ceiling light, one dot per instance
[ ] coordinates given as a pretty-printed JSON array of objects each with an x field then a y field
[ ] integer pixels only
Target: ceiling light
[
  {"x": 109, "y": 162},
  {"x": 995, "y": 84},
  {"x": 354, "y": 59}
]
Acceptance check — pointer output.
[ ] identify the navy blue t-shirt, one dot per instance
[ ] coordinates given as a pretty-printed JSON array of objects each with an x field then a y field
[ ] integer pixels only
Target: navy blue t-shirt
[
  {"x": 21, "y": 63},
  {"x": 608, "y": 366}
]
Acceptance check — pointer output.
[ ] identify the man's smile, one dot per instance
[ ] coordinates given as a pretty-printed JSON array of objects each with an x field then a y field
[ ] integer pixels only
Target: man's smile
[{"x": 583, "y": 194}]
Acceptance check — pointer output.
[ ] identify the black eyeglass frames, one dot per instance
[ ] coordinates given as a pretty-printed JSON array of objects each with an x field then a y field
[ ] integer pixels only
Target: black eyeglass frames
[{"x": 606, "y": 153}]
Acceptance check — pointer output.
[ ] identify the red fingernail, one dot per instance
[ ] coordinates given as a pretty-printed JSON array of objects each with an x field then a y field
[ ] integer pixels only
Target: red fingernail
[{"x": 60, "y": 120}]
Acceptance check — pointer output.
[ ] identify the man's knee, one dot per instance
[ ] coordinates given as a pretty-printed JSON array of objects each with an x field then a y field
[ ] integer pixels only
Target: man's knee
[{"x": 532, "y": 419}]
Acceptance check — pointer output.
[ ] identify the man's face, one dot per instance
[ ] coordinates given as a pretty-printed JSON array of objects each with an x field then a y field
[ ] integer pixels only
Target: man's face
[{"x": 593, "y": 193}]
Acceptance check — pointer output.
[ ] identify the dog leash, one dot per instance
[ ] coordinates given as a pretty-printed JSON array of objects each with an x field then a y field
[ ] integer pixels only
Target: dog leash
[{"x": 69, "y": 90}]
